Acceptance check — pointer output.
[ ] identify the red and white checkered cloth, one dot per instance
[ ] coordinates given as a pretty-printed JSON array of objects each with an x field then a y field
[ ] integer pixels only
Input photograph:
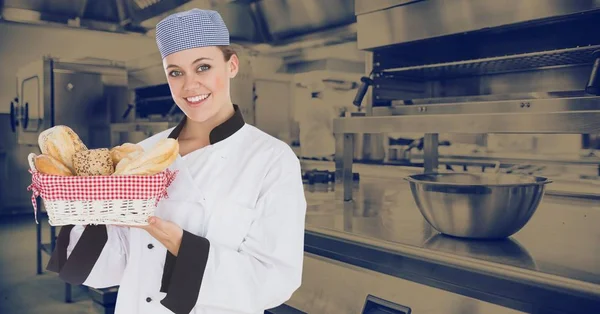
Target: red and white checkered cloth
[{"x": 96, "y": 188}]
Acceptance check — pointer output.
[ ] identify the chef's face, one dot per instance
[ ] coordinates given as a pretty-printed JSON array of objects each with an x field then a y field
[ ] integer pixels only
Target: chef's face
[{"x": 199, "y": 81}]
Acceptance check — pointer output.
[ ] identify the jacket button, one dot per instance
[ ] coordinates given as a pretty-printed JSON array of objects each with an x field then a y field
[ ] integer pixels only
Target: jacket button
[
  {"x": 150, "y": 246},
  {"x": 148, "y": 299}
]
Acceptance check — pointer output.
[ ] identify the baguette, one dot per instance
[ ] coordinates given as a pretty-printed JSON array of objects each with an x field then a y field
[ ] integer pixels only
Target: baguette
[
  {"x": 47, "y": 164},
  {"x": 119, "y": 152},
  {"x": 159, "y": 158},
  {"x": 61, "y": 142},
  {"x": 126, "y": 160}
]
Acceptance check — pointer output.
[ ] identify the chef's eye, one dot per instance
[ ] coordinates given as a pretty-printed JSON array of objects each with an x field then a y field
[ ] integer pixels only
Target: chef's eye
[
  {"x": 174, "y": 73},
  {"x": 203, "y": 67}
]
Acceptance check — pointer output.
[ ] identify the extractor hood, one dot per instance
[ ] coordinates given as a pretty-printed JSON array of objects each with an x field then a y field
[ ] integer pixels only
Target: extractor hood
[{"x": 271, "y": 22}]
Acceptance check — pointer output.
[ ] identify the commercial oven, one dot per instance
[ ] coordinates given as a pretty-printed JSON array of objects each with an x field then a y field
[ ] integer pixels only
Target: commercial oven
[{"x": 84, "y": 94}]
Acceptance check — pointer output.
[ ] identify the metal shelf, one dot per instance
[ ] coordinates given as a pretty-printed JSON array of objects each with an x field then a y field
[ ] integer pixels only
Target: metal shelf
[
  {"x": 576, "y": 115},
  {"x": 535, "y": 60},
  {"x": 577, "y": 122}
]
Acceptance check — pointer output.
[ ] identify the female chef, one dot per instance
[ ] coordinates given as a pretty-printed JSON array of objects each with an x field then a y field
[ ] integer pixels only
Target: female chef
[{"x": 230, "y": 236}]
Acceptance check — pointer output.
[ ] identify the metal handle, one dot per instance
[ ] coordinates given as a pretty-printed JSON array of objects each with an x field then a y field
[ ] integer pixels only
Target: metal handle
[
  {"x": 13, "y": 117},
  {"x": 362, "y": 90},
  {"x": 127, "y": 112},
  {"x": 593, "y": 84},
  {"x": 26, "y": 116}
]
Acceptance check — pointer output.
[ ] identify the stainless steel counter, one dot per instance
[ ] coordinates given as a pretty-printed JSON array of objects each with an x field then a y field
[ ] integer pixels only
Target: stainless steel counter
[{"x": 557, "y": 250}]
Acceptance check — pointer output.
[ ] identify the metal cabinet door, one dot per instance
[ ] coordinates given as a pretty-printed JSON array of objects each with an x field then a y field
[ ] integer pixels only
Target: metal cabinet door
[{"x": 79, "y": 102}]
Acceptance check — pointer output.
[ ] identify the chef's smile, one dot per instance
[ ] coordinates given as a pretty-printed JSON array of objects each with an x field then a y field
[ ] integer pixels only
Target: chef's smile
[{"x": 195, "y": 101}]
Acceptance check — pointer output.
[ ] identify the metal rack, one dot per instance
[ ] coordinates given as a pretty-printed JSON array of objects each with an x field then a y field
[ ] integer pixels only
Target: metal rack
[{"x": 502, "y": 64}]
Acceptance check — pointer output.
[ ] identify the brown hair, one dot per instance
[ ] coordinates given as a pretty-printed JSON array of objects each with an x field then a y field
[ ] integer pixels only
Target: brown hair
[{"x": 227, "y": 51}]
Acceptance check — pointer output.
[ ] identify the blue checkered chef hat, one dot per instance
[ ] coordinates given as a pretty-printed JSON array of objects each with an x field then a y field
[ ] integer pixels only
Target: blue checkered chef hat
[{"x": 191, "y": 29}]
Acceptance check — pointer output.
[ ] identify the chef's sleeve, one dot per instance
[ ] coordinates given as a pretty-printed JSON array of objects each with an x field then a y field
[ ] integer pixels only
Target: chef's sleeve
[
  {"x": 267, "y": 268},
  {"x": 94, "y": 256}
]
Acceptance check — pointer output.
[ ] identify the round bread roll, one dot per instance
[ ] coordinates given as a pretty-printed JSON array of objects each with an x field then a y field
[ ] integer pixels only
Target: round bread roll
[
  {"x": 47, "y": 164},
  {"x": 122, "y": 151},
  {"x": 93, "y": 162},
  {"x": 61, "y": 142}
]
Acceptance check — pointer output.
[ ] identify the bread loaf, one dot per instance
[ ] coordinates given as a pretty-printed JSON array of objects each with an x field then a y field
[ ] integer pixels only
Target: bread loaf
[
  {"x": 93, "y": 162},
  {"x": 153, "y": 161},
  {"x": 47, "y": 164},
  {"x": 119, "y": 152},
  {"x": 126, "y": 160},
  {"x": 61, "y": 142}
]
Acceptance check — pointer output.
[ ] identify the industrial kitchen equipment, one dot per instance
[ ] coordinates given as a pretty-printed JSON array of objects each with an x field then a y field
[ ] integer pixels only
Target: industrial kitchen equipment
[
  {"x": 468, "y": 67},
  {"x": 84, "y": 94},
  {"x": 535, "y": 72}
]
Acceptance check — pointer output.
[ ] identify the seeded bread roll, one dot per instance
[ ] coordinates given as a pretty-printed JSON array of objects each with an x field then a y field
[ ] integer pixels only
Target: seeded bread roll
[
  {"x": 93, "y": 162},
  {"x": 47, "y": 164}
]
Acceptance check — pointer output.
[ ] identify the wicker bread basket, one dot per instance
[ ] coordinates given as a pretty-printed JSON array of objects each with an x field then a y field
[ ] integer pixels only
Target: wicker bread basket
[{"x": 79, "y": 200}]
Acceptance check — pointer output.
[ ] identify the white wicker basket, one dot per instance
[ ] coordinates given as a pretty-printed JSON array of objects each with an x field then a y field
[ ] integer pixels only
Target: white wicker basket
[
  {"x": 121, "y": 200},
  {"x": 128, "y": 212}
]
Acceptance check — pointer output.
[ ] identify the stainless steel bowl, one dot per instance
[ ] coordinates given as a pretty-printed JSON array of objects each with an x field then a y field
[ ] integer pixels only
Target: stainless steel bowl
[{"x": 479, "y": 206}]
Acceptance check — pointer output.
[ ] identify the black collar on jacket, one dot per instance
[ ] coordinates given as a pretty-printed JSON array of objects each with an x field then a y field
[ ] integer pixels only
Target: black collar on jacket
[{"x": 221, "y": 131}]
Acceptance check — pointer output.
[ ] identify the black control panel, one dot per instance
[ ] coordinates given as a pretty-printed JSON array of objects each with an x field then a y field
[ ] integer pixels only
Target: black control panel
[{"x": 375, "y": 305}]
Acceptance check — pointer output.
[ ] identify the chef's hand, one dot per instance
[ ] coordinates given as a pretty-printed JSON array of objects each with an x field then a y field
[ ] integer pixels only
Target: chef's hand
[{"x": 166, "y": 232}]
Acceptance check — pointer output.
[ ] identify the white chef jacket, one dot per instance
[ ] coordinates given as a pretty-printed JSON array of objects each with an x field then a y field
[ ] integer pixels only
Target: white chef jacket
[{"x": 241, "y": 204}]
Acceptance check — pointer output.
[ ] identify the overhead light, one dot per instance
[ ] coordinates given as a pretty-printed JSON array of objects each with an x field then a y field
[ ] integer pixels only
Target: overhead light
[{"x": 142, "y": 4}]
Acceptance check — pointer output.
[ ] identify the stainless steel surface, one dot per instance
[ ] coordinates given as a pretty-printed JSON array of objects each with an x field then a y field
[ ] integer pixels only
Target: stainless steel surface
[
  {"x": 534, "y": 60},
  {"x": 497, "y": 104},
  {"x": 468, "y": 100},
  {"x": 556, "y": 249},
  {"x": 576, "y": 122},
  {"x": 329, "y": 286},
  {"x": 435, "y": 18},
  {"x": 344, "y": 153},
  {"x": 109, "y": 16},
  {"x": 34, "y": 80},
  {"x": 82, "y": 95},
  {"x": 14, "y": 178},
  {"x": 78, "y": 94},
  {"x": 271, "y": 22},
  {"x": 506, "y": 73},
  {"x": 286, "y": 18},
  {"x": 483, "y": 206},
  {"x": 242, "y": 88},
  {"x": 485, "y": 158},
  {"x": 367, "y": 6},
  {"x": 546, "y": 83},
  {"x": 430, "y": 151}
]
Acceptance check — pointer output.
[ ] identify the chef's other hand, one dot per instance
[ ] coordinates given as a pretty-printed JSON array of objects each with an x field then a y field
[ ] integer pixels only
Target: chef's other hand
[{"x": 166, "y": 232}]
